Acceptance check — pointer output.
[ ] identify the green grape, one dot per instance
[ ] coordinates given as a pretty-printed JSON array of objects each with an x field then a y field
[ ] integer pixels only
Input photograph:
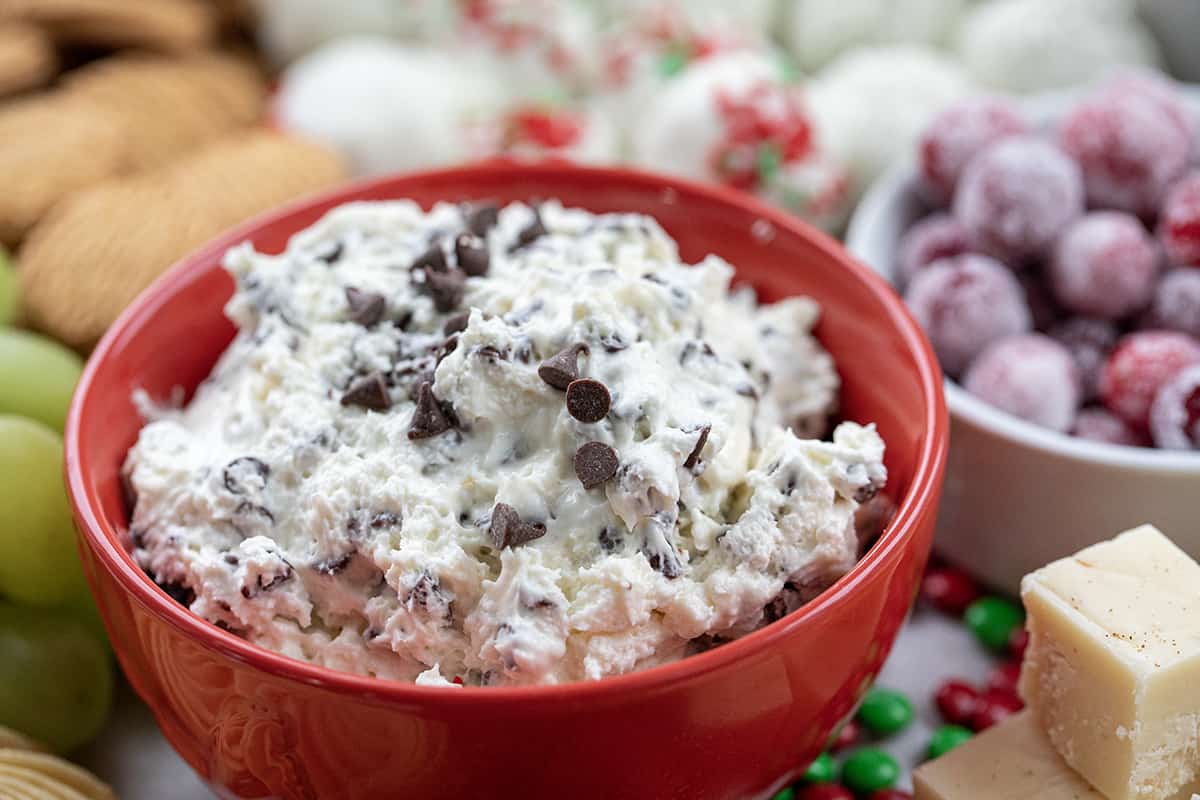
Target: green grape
[
  {"x": 39, "y": 564},
  {"x": 8, "y": 289},
  {"x": 37, "y": 377},
  {"x": 56, "y": 680},
  {"x": 82, "y": 607}
]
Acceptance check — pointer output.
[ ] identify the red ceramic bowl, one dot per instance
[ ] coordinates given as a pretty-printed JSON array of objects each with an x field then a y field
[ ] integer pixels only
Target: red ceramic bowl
[{"x": 734, "y": 722}]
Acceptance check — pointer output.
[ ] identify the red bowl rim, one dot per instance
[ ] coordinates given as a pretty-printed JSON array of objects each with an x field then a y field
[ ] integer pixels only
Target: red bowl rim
[{"x": 103, "y": 539}]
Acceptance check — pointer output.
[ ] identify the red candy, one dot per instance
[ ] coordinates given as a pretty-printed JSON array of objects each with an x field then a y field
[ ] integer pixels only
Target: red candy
[
  {"x": 848, "y": 736},
  {"x": 1104, "y": 265},
  {"x": 936, "y": 237},
  {"x": 1101, "y": 425},
  {"x": 1175, "y": 415},
  {"x": 824, "y": 791},
  {"x": 890, "y": 794},
  {"x": 949, "y": 590},
  {"x": 1016, "y": 197},
  {"x": 1176, "y": 304},
  {"x": 1179, "y": 226},
  {"x": 957, "y": 702},
  {"x": 994, "y": 706},
  {"x": 1004, "y": 678},
  {"x": 1018, "y": 642},
  {"x": 1089, "y": 341},
  {"x": 1031, "y": 377},
  {"x": 964, "y": 304},
  {"x": 957, "y": 134},
  {"x": 1129, "y": 148},
  {"x": 1140, "y": 365}
]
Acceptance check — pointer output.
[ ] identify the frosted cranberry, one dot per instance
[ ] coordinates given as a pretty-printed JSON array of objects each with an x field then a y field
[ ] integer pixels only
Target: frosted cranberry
[
  {"x": 1129, "y": 148},
  {"x": 1030, "y": 376},
  {"x": 957, "y": 134},
  {"x": 1175, "y": 415},
  {"x": 1139, "y": 366},
  {"x": 1179, "y": 224},
  {"x": 1156, "y": 88},
  {"x": 1101, "y": 425},
  {"x": 1044, "y": 310},
  {"x": 1176, "y": 304},
  {"x": 949, "y": 590},
  {"x": 1105, "y": 265},
  {"x": 1016, "y": 196},
  {"x": 964, "y": 304},
  {"x": 1088, "y": 340},
  {"x": 936, "y": 237},
  {"x": 995, "y": 706}
]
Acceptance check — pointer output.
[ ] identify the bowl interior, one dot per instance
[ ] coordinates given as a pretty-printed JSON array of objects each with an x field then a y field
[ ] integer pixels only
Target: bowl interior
[{"x": 172, "y": 335}]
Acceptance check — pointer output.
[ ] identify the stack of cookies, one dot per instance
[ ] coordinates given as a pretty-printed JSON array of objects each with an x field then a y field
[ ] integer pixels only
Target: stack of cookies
[
  {"x": 26, "y": 770},
  {"x": 118, "y": 166}
]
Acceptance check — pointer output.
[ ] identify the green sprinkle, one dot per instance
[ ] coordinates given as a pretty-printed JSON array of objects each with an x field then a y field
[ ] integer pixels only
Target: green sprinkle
[
  {"x": 672, "y": 62},
  {"x": 993, "y": 620},
  {"x": 946, "y": 738},
  {"x": 885, "y": 712},
  {"x": 823, "y": 769},
  {"x": 869, "y": 770},
  {"x": 768, "y": 160}
]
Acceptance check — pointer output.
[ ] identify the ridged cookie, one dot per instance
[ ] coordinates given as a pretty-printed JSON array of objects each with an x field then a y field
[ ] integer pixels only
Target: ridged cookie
[
  {"x": 171, "y": 26},
  {"x": 41, "y": 776},
  {"x": 27, "y": 57},
  {"x": 97, "y": 249}
]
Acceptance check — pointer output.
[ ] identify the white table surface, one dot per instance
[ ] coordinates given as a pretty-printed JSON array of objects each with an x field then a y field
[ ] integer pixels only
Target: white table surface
[{"x": 134, "y": 758}]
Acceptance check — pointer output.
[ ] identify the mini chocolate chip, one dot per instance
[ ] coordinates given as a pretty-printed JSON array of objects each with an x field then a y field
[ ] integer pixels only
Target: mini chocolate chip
[
  {"x": 595, "y": 464},
  {"x": 489, "y": 353},
  {"x": 428, "y": 418},
  {"x": 414, "y": 388},
  {"x": 366, "y": 308},
  {"x": 432, "y": 260},
  {"x": 747, "y": 390},
  {"x": 447, "y": 347},
  {"x": 333, "y": 254},
  {"x": 178, "y": 592},
  {"x": 507, "y": 529},
  {"x": 562, "y": 367},
  {"x": 385, "y": 519},
  {"x": 529, "y": 234},
  {"x": 471, "y": 253},
  {"x": 613, "y": 343},
  {"x": 370, "y": 392},
  {"x": 237, "y": 471},
  {"x": 482, "y": 218},
  {"x": 456, "y": 323},
  {"x": 588, "y": 400},
  {"x": 231, "y": 559},
  {"x": 334, "y": 565},
  {"x": 610, "y": 539},
  {"x": 694, "y": 457},
  {"x": 246, "y": 508},
  {"x": 446, "y": 289}
]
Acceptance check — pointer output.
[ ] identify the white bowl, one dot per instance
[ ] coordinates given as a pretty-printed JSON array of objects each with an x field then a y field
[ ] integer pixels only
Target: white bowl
[{"x": 1018, "y": 495}]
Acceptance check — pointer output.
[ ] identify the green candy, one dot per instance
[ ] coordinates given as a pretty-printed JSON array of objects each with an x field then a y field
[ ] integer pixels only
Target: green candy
[
  {"x": 869, "y": 770},
  {"x": 993, "y": 620},
  {"x": 946, "y": 738},
  {"x": 885, "y": 712},
  {"x": 785, "y": 794},
  {"x": 823, "y": 769}
]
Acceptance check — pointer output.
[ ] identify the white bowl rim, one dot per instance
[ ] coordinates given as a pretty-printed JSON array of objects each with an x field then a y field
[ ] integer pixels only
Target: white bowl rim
[{"x": 860, "y": 236}]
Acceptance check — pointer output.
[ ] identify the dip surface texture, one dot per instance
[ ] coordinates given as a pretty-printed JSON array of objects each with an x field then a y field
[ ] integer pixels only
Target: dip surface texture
[{"x": 500, "y": 446}]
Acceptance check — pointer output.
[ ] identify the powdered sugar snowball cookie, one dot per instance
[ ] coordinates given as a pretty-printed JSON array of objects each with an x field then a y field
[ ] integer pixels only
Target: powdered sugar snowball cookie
[
  {"x": 817, "y": 31},
  {"x": 289, "y": 29},
  {"x": 957, "y": 134},
  {"x": 530, "y": 131},
  {"x": 749, "y": 22},
  {"x": 871, "y": 105},
  {"x": 385, "y": 106},
  {"x": 1105, "y": 264},
  {"x": 964, "y": 304},
  {"x": 1033, "y": 45},
  {"x": 1129, "y": 147},
  {"x": 816, "y": 189},
  {"x": 1175, "y": 415},
  {"x": 1031, "y": 377},
  {"x": 1017, "y": 196}
]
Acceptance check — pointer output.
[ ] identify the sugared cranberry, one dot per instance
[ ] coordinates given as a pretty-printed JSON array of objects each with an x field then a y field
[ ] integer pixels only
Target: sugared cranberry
[
  {"x": 1179, "y": 224},
  {"x": 1018, "y": 642},
  {"x": 1129, "y": 148},
  {"x": 1088, "y": 340},
  {"x": 1175, "y": 415},
  {"x": 964, "y": 304},
  {"x": 1157, "y": 89},
  {"x": 936, "y": 237},
  {"x": 1016, "y": 197},
  {"x": 1139, "y": 366},
  {"x": 1176, "y": 303},
  {"x": 848, "y": 736},
  {"x": 1031, "y": 377},
  {"x": 949, "y": 590},
  {"x": 1004, "y": 678},
  {"x": 1101, "y": 425},
  {"x": 957, "y": 134},
  {"x": 1042, "y": 308},
  {"x": 1104, "y": 265},
  {"x": 995, "y": 706},
  {"x": 957, "y": 702}
]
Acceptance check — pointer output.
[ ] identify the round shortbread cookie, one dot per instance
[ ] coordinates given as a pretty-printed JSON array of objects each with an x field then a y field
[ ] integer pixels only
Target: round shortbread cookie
[
  {"x": 171, "y": 26},
  {"x": 27, "y": 58}
]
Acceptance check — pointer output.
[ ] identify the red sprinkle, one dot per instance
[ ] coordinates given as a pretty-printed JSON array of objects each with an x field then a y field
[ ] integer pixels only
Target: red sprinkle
[
  {"x": 995, "y": 706},
  {"x": 848, "y": 736},
  {"x": 457, "y": 680},
  {"x": 1004, "y": 678},
  {"x": 949, "y": 590},
  {"x": 825, "y": 791},
  {"x": 957, "y": 701}
]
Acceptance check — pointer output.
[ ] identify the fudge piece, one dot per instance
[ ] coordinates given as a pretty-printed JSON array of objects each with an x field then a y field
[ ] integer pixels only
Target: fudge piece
[
  {"x": 1010, "y": 761},
  {"x": 1113, "y": 666}
]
